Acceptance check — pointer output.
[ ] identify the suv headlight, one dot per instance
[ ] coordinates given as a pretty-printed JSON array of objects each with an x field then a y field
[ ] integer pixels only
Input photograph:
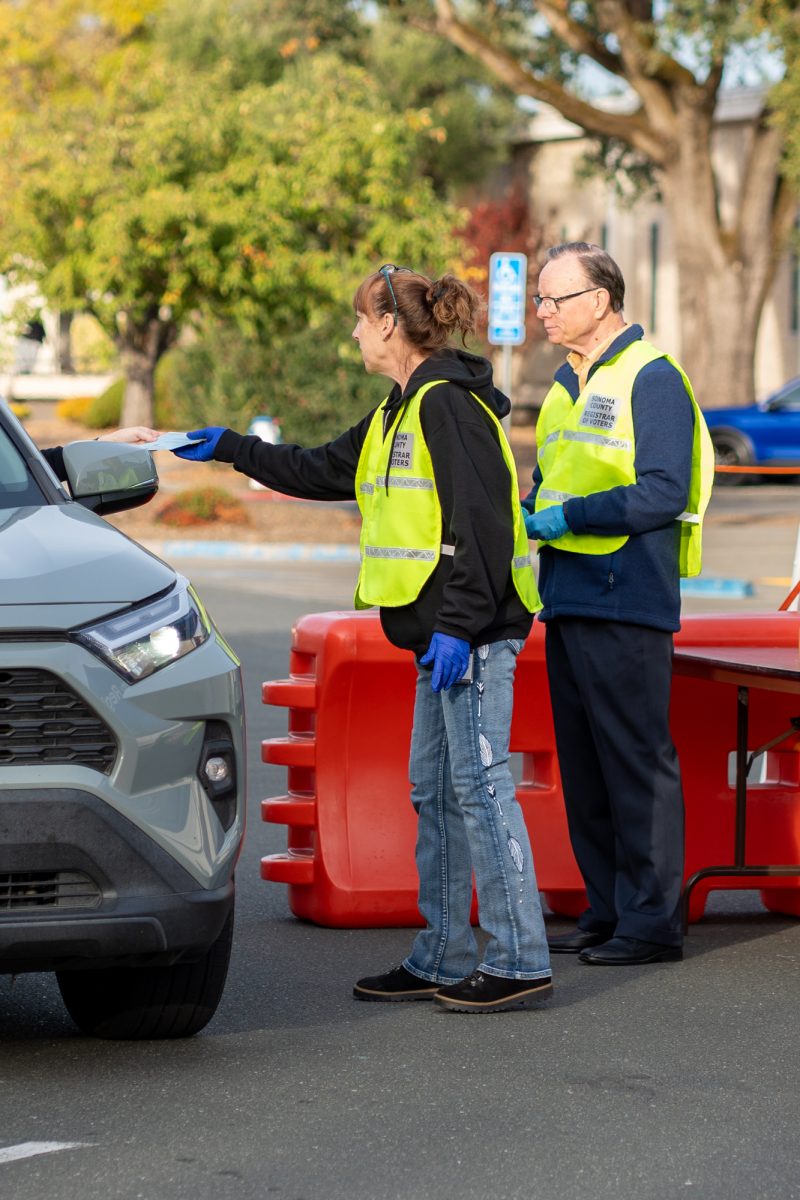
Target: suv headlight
[{"x": 143, "y": 640}]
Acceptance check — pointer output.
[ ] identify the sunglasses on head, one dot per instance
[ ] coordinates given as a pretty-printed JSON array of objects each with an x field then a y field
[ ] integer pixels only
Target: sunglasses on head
[{"x": 387, "y": 270}]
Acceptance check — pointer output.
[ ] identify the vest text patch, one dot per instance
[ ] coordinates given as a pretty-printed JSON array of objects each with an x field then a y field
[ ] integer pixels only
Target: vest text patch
[
  {"x": 402, "y": 451},
  {"x": 600, "y": 412}
]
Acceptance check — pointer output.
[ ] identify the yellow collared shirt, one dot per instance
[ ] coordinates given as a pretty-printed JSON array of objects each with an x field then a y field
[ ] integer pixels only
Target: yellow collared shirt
[{"x": 582, "y": 363}]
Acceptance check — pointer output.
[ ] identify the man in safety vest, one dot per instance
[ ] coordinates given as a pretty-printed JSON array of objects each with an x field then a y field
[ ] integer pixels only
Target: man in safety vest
[{"x": 622, "y": 481}]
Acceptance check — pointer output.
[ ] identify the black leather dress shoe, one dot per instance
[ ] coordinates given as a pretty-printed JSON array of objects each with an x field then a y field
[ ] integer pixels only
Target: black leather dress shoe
[
  {"x": 629, "y": 952},
  {"x": 579, "y": 939}
]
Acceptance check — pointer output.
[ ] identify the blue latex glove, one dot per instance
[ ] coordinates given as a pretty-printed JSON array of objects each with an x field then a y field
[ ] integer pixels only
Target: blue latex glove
[
  {"x": 546, "y": 525},
  {"x": 202, "y": 451},
  {"x": 449, "y": 656}
]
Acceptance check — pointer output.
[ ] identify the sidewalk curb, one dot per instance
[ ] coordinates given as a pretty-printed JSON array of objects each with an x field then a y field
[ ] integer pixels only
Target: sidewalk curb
[
  {"x": 276, "y": 552},
  {"x": 254, "y": 551},
  {"x": 712, "y": 587}
]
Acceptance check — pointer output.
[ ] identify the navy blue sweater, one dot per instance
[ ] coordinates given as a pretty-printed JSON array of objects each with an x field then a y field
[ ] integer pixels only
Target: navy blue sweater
[{"x": 639, "y": 583}]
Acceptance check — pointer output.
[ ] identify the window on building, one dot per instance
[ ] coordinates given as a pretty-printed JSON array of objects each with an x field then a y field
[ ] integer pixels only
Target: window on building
[{"x": 653, "y": 277}]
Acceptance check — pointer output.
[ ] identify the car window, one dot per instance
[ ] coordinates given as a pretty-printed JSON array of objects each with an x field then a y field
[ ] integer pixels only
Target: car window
[
  {"x": 787, "y": 400},
  {"x": 17, "y": 485}
]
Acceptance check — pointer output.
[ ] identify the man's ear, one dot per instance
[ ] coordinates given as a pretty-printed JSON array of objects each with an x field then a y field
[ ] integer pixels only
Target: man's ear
[{"x": 604, "y": 301}]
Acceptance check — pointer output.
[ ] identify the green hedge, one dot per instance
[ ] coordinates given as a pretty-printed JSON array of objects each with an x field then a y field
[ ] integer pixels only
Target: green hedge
[
  {"x": 312, "y": 382},
  {"x": 105, "y": 410}
]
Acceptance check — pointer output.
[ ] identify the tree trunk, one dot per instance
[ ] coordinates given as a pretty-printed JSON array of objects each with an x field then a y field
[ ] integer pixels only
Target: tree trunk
[
  {"x": 139, "y": 400},
  {"x": 720, "y": 299},
  {"x": 726, "y": 260},
  {"x": 141, "y": 346}
]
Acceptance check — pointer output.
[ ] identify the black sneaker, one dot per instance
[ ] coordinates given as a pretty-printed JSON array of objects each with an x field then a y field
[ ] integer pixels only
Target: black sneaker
[
  {"x": 397, "y": 984},
  {"x": 480, "y": 993}
]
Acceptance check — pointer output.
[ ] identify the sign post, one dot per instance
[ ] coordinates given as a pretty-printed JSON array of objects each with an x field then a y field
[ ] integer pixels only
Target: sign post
[{"x": 507, "y": 276}]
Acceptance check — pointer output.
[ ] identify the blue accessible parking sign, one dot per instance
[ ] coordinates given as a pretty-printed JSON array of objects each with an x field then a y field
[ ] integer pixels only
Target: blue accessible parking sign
[{"x": 507, "y": 276}]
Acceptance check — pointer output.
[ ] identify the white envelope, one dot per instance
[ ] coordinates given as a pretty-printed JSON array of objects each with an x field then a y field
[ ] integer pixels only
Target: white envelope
[{"x": 169, "y": 441}]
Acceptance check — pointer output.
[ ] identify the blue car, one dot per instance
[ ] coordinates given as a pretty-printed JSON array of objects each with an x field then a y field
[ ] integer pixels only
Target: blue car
[{"x": 766, "y": 434}]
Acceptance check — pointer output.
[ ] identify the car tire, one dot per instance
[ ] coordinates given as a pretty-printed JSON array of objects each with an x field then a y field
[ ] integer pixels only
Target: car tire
[
  {"x": 134, "y": 1003},
  {"x": 731, "y": 449}
]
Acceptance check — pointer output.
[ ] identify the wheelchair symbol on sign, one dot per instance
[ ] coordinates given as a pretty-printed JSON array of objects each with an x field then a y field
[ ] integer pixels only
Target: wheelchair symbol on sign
[{"x": 507, "y": 271}]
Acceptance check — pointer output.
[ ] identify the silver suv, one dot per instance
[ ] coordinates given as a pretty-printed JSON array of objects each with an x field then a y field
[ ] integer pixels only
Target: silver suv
[{"x": 121, "y": 752}]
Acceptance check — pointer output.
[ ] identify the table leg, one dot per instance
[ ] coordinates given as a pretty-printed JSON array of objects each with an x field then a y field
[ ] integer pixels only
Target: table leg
[
  {"x": 738, "y": 868},
  {"x": 742, "y": 714}
]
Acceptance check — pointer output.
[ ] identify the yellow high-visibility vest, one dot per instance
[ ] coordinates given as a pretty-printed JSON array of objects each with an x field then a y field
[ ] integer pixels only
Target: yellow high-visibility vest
[
  {"x": 401, "y": 531},
  {"x": 588, "y": 446}
]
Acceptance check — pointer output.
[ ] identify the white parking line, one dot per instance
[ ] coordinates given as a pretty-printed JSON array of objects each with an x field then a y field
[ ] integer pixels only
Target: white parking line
[{"x": 29, "y": 1149}]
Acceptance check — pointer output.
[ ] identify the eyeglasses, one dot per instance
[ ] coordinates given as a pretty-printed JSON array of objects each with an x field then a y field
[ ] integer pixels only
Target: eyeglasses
[
  {"x": 549, "y": 304},
  {"x": 387, "y": 270}
]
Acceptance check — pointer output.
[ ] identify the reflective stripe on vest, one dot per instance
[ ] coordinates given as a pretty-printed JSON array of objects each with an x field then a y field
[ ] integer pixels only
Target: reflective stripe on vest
[
  {"x": 597, "y": 439},
  {"x": 380, "y": 481},
  {"x": 589, "y": 445},
  {"x": 402, "y": 516}
]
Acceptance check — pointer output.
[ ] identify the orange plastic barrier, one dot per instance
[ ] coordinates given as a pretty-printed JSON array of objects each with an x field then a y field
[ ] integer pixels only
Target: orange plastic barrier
[{"x": 351, "y": 828}]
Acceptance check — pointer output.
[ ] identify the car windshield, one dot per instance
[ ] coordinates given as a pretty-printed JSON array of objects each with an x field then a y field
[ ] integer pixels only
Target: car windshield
[
  {"x": 787, "y": 399},
  {"x": 17, "y": 486}
]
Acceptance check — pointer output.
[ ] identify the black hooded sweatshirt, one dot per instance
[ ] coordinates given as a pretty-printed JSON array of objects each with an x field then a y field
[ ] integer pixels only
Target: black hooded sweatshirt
[{"x": 471, "y": 594}]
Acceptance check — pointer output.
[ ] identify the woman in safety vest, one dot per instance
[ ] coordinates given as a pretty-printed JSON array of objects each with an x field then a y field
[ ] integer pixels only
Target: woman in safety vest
[{"x": 445, "y": 555}]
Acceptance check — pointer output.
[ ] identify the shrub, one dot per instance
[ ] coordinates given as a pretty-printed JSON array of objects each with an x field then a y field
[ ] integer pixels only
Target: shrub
[
  {"x": 105, "y": 410},
  {"x": 312, "y": 382},
  {"x": 201, "y": 506},
  {"x": 75, "y": 408}
]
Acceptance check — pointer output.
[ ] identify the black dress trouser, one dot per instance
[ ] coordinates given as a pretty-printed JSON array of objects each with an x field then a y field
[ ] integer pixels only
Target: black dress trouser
[{"x": 610, "y": 690}]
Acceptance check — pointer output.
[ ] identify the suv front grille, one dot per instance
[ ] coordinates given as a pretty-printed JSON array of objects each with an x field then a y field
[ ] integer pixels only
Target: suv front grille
[
  {"x": 43, "y": 721},
  {"x": 50, "y": 889}
]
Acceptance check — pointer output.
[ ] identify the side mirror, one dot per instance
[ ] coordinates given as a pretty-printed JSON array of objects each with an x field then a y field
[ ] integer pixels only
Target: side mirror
[{"x": 106, "y": 477}]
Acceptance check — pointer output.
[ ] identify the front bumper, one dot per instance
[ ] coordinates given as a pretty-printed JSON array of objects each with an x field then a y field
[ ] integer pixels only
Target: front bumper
[
  {"x": 160, "y": 727},
  {"x": 81, "y": 885}
]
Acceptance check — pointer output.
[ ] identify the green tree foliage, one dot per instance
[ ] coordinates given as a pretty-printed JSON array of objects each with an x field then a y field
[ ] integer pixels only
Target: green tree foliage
[
  {"x": 149, "y": 190},
  {"x": 781, "y": 18},
  {"x": 259, "y": 38},
  {"x": 464, "y": 121}
]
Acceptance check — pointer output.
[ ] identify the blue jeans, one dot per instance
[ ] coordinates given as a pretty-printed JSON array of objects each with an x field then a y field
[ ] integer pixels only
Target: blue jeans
[{"x": 469, "y": 820}]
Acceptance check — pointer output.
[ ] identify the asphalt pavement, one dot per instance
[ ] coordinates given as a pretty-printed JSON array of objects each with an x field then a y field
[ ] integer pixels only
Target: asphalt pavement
[{"x": 643, "y": 1083}]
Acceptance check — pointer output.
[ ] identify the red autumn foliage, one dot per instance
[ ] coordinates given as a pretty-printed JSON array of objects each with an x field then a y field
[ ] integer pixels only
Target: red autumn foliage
[{"x": 502, "y": 224}]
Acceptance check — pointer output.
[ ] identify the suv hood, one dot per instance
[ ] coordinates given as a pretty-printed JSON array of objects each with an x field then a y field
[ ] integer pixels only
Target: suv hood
[{"x": 60, "y": 565}]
